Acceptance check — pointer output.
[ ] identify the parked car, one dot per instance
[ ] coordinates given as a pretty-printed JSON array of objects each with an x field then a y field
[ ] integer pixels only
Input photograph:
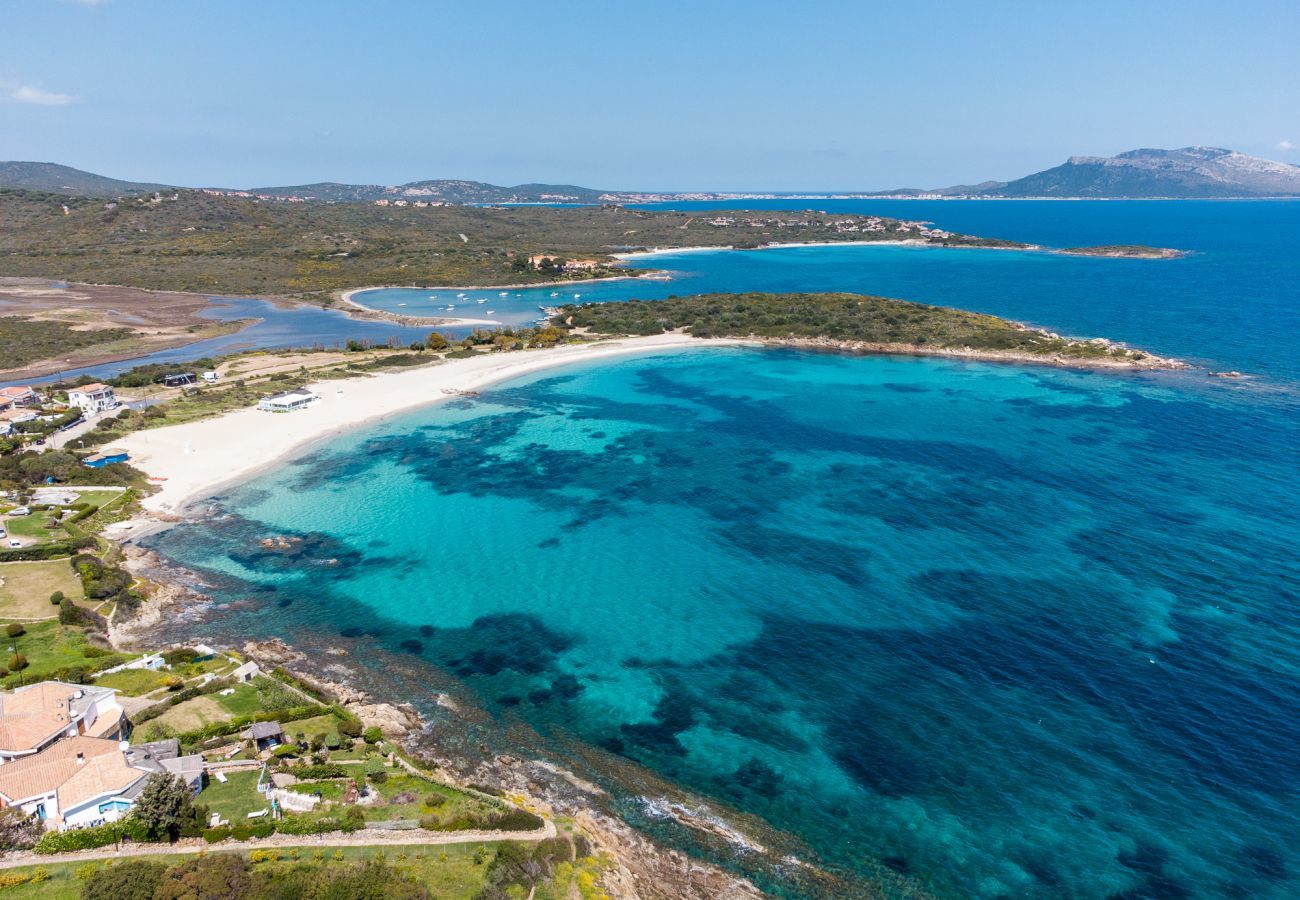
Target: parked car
[
  {"x": 14, "y": 542},
  {"x": 20, "y": 511}
]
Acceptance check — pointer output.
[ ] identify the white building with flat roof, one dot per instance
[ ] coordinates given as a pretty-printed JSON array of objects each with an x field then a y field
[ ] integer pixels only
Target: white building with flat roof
[{"x": 288, "y": 401}]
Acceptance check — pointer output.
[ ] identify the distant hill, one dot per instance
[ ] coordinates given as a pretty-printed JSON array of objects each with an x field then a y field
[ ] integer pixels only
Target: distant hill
[
  {"x": 1185, "y": 174},
  {"x": 443, "y": 191},
  {"x": 56, "y": 179}
]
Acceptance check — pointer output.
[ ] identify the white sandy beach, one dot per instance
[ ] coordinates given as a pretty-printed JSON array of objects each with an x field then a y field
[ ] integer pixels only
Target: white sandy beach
[{"x": 195, "y": 459}]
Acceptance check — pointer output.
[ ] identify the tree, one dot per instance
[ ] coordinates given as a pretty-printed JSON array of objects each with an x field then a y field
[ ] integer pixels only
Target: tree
[
  {"x": 164, "y": 806},
  {"x": 18, "y": 830},
  {"x": 220, "y": 876},
  {"x": 132, "y": 879},
  {"x": 436, "y": 341}
]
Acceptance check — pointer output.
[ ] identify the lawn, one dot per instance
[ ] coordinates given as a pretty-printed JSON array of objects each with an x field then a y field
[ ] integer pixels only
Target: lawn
[
  {"x": 49, "y": 646},
  {"x": 35, "y": 527},
  {"x": 320, "y": 726},
  {"x": 449, "y": 873},
  {"x": 193, "y": 714},
  {"x": 235, "y": 799},
  {"x": 25, "y": 588},
  {"x": 134, "y": 682}
]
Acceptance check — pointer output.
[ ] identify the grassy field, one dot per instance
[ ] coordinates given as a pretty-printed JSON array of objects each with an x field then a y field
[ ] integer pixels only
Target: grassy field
[
  {"x": 455, "y": 872},
  {"x": 235, "y": 799},
  {"x": 34, "y": 527},
  {"x": 25, "y": 592},
  {"x": 49, "y": 646},
  {"x": 134, "y": 682},
  {"x": 191, "y": 715}
]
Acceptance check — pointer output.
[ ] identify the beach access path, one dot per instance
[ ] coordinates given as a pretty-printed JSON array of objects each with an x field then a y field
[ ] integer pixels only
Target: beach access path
[
  {"x": 194, "y": 460},
  {"x": 414, "y": 837}
]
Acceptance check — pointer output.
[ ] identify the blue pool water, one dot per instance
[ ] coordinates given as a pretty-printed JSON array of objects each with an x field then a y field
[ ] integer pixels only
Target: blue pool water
[{"x": 1009, "y": 631}]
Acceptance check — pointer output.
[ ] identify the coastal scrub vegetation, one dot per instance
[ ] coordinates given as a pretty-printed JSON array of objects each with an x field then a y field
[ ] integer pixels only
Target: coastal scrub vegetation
[
  {"x": 197, "y": 242},
  {"x": 848, "y": 319}
]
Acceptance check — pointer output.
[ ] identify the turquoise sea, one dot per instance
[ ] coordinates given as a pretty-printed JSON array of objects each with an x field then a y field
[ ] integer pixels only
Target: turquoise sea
[{"x": 1007, "y": 631}]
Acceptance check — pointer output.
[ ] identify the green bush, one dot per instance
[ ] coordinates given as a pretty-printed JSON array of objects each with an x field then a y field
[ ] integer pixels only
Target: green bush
[
  {"x": 89, "y": 838},
  {"x": 131, "y": 879},
  {"x": 372, "y": 735},
  {"x": 18, "y": 662},
  {"x": 56, "y": 598},
  {"x": 323, "y": 770},
  {"x": 15, "y": 629}
]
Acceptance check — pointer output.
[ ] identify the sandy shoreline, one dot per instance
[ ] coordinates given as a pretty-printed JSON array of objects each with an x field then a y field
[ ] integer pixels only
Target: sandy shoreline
[{"x": 196, "y": 459}]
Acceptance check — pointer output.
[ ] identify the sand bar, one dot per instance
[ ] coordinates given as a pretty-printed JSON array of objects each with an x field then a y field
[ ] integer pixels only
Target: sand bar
[{"x": 196, "y": 459}]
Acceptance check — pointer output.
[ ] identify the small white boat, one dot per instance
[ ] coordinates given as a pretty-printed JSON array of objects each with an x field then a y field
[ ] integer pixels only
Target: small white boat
[
  {"x": 401, "y": 304},
  {"x": 555, "y": 293},
  {"x": 491, "y": 311},
  {"x": 505, "y": 293},
  {"x": 460, "y": 295},
  {"x": 481, "y": 300},
  {"x": 577, "y": 296}
]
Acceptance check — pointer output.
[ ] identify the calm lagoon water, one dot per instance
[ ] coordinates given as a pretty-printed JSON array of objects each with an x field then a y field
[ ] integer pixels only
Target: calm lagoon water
[{"x": 1012, "y": 631}]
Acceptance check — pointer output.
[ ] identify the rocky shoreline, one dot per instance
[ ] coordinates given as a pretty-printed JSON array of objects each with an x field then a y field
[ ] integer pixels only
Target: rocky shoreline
[{"x": 1142, "y": 362}]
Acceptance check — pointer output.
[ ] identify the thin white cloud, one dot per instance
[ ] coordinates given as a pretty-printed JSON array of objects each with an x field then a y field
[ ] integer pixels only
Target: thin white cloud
[
  {"x": 86, "y": 2},
  {"x": 1285, "y": 145},
  {"x": 25, "y": 93}
]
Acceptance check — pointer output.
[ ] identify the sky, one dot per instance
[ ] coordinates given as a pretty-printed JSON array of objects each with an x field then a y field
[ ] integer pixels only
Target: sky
[{"x": 667, "y": 95}]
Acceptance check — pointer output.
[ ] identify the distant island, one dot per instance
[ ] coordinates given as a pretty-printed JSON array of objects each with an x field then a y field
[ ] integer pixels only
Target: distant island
[
  {"x": 1188, "y": 173},
  {"x": 852, "y": 322},
  {"x": 1124, "y": 251}
]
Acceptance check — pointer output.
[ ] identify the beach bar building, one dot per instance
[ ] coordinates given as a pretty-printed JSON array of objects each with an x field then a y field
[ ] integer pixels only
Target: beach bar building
[
  {"x": 105, "y": 457},
  {"x": 288, "y": 401}
]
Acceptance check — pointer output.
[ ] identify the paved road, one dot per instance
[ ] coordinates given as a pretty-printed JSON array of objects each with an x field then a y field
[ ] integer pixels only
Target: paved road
[{"x": 414, "y": 838}]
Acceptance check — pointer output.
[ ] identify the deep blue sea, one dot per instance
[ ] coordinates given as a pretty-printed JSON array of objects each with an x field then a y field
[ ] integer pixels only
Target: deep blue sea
[{"x": 1009, "y": 631}]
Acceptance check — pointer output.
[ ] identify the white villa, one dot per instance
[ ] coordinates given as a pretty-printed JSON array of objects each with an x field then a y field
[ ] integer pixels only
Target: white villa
[
  {"x": 34, "y": 717},
  {"x": 288, "y": 401},
  {"x": 93, "y": 398}
]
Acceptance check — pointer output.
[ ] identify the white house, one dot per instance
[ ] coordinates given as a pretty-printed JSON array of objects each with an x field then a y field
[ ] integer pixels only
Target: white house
[
  {"x": 36, "y": 716},
  {"x": 93, "y": 398},
  {"x": 288, "y": 401},
  {"x": 247, "y": 672}
]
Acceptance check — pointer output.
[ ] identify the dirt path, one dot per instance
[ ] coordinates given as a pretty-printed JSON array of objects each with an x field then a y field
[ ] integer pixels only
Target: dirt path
[{"x": 368, "y": 838}]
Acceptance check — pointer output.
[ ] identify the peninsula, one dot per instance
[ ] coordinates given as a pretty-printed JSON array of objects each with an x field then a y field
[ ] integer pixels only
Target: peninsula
[{"x": 856, "y": 323}]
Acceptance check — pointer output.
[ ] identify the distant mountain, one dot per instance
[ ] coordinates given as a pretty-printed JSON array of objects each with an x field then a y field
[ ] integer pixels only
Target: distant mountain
[
  {"x": 56, "y": 179},
  {"x": 1185, "y": 174}
]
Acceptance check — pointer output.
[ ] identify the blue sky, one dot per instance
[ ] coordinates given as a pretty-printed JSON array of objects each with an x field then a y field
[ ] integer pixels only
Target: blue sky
[{"x": 666, "y": 95}]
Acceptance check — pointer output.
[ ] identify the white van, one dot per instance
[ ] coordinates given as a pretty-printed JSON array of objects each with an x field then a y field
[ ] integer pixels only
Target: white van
[
  {"x": 210, "y": 377},
  {"x": 20, "y": 511}
]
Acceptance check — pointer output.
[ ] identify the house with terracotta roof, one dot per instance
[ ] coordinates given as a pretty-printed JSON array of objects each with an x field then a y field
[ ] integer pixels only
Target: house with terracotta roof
[
  {"x": 16, "y": 397},
  {"x": 75, "y": 782},
  {"x": 36, "y": 716}
]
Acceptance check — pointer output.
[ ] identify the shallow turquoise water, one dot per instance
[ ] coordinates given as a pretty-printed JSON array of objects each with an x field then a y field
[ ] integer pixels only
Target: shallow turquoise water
[{"x": 1015, "y": 632}]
